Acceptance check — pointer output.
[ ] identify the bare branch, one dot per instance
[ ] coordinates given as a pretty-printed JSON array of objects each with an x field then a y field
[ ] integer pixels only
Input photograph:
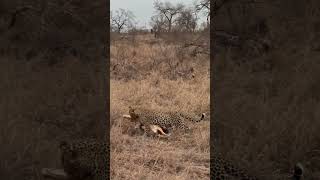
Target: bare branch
[
  {"x": 121, "y": 19},
  {"x": 169, "y": 11}
]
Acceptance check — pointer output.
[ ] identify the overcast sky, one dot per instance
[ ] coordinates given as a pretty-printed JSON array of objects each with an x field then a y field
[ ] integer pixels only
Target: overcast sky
[{"x": 142, "y": 9}]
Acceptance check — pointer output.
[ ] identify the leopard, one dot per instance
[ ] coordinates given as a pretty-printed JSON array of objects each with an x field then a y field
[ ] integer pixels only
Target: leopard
[
  {"x": 166, "y": 120},
  {"x": 222, "y": 169},
  {"x": 85, "y": 159}
]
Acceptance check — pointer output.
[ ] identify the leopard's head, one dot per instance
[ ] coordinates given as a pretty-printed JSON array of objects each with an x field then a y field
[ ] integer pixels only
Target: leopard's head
[
  {"x": 133, "y": 115},
  {"x": 67, "y": 150}
]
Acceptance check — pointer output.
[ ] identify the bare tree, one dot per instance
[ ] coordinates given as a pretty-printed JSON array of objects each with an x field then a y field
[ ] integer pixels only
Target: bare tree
[
  {"x": 169, "y": 11},
  {"x": 204, "y": 6},
  {"x": 187, "y": 20},
  {"x": 121, "y": 19},
  {"x": 158, "y": 24}
]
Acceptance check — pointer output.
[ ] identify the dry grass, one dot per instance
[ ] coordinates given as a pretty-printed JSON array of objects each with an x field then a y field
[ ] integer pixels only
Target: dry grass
[{"x": 158, "y": 87}]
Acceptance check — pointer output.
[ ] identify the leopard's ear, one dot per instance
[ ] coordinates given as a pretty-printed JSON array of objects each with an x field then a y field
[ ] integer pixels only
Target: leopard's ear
[
  {"x": 298, "y": 171},
  {"x": 131, "y": 110},
  {"x": 203, "y": 116}
]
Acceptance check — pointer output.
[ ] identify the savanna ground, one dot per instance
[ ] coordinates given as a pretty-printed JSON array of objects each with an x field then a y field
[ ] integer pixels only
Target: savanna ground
[{"x": 155, "y": 74}]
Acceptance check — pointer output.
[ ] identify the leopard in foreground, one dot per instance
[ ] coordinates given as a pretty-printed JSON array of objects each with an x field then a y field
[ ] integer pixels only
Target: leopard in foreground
[
  {"x": 166, "y": 121},
  {"x": 221, "y": 169},
  {"x": 85, "y": 159},
  {"x": 88, "y": 159}
]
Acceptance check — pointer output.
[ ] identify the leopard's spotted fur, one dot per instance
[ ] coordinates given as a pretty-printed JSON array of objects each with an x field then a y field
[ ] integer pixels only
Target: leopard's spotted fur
[
  {"x": 85, "y": 158},
  {"x": 88, "y": 159},
  {"x": 166, "y": 120}
]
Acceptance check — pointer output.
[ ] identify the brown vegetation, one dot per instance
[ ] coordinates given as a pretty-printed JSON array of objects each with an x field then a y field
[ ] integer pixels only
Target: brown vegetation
[{"x": 152, "y": 74}]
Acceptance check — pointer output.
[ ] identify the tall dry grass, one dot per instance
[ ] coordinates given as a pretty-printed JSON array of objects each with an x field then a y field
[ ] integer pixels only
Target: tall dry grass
[{"x": 156, "y": 84}]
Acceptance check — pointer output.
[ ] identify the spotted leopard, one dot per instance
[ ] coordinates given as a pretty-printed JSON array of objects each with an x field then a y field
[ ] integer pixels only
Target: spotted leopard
[
  {"x": 85, "y": 158},
  {"x": 221, "y": 169},
  {"x": 166, "y": 120},
  {"x": 88, "y": 159}
]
